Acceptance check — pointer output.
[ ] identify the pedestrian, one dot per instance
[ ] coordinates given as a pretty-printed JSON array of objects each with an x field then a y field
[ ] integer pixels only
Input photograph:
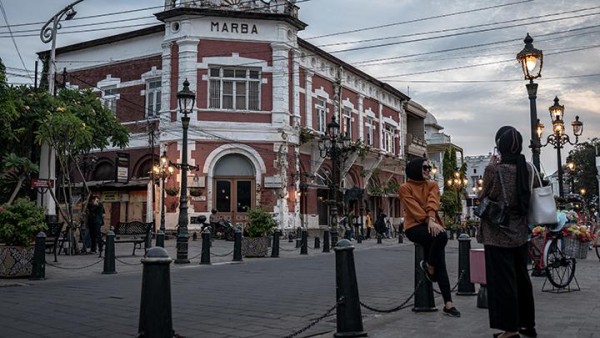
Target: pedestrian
[
  {"x": 420, "y": 198},
  {"x": 95, "y": 223},
  {"x": 380, "y": 223},
  {"x": 510, "y": 294},
  {"x": 369, "y": 223}
]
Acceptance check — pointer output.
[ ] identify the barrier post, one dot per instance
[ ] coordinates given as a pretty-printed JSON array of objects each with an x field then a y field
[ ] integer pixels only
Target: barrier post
[
  {"x": 237, "y": 246},
  {"x": 39, "y": 257},
  {"x": 326, "y": 241},
  {"x": 155, "y": 305},
  {"x": 275, "y": 245},
  {"x": 109, "y": 254},
  {"x": 465, "y": 287},
  {"x": 304, "y": 245},
  {"x": 205, "y": 257},
  {"x": 348, "y": 315},
  {"x": 424, "y": 301}
]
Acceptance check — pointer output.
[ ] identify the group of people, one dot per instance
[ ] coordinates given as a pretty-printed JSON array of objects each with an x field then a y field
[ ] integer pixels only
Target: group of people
[{"x": 510, "y": 293}]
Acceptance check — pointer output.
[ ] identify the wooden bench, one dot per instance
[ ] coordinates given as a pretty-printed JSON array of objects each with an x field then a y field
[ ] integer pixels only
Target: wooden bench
[
  {"x": 53, "y": 234},
  {"x": 135, "y": 232}
]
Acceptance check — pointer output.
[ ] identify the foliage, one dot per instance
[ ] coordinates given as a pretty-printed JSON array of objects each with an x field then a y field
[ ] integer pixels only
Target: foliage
[
  {"x": 172, "y": 191},
  {"x": 16, "y": 172},
  {"x": 360, "y": 148},
  {"x": 306, "y": 135},
  {"x": 583, "y": 155},
  {"x": 20, "y": 222},
  {"x": 260, "y": 222},
  {"x": 450, "y": 203}
]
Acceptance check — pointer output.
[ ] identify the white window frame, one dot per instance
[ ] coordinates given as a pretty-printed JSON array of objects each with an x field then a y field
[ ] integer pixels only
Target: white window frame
[
  {"x": 321, "y": 107},
  {"x": 109, "y": 98},
  {"x": 347, "y": 115},
  {"x": 369, "y": 131},
  {"x": 153, "y": 97},
  {"x": 243, "y": 88},
  {"x": 388, "y": 139}
]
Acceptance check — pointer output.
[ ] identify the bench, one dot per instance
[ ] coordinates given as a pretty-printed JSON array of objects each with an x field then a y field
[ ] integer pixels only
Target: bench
[
  {"x": 53, "y": 234},
  {"x": 135, "y": 232}
]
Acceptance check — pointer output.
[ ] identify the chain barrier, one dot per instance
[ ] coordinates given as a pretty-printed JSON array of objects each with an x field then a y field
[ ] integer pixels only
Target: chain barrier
[
  {"x": 314, "y": 322},
  {"x": 126, "y": 263},
  {"x": 196, "y": 256},
  {"x": 288, "y": 250},
  {"x": 404, "y": 304},
  {"x": 223, "y": 255},
  {"x": 460, "y": 277},
  {"x": 74, "y": 268}
]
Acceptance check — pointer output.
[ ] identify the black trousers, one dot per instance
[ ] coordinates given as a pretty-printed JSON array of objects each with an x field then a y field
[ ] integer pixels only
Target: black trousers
[
  {"x": 510, "y": 294},
  {"x": 95, "y": 236},
  {"x": 435, "y": 254}
]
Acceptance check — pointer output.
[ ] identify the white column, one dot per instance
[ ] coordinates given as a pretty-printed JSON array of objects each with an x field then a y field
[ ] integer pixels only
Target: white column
[
  {"x": 308, "y": 98},
  {"x": 361, "y": 117},
  {"x": 281, "y": 83}
]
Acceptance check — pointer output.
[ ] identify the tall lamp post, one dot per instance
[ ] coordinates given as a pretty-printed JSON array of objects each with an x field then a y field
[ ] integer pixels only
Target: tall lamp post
[
  {"x": 162, "y": 171},
  {"x": 531, "y": 60},
  {"x": 458, "y": 182},
  {"x": 571, "y": 169},
  {"x": 334, "y": 145},
  {"x": 558, "y": 138},
  {"x": 47, "y": 155},
  {"x": 186, "y": 99}
]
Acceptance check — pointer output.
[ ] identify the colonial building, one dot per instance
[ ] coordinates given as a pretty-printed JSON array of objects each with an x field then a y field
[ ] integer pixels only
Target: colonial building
[{"x": 264, "y": 99}]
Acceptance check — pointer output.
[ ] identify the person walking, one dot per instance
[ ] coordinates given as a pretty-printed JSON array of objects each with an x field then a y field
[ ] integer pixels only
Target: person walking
[
  {"x": 95, "y": 223},
  {"x": 369, "y": 223},
  {"x": 510, "y": 295},
  {"x": 380, "y": 227},
  {"x": 420, "y": 197}
]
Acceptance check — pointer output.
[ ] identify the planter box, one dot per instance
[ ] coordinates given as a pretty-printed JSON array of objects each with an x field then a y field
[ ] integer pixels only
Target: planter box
[
  {"x": 255, "y": 246},
  {"x": 16, "y": 261},
  {"x": 575, "y": 248}
]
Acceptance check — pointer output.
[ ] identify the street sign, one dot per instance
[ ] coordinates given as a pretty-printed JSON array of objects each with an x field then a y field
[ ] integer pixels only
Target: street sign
[{"x": 41, "y": 183}]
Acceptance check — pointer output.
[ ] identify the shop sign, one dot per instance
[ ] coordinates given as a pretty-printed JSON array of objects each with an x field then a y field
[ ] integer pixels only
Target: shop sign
[{"x": 273, "y": 181}]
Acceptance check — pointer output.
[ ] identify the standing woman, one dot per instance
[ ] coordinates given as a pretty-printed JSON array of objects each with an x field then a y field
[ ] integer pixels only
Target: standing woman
[
  {"x": 422, "y": 224},
  {"x": 95, "y": 222},
  {"x": 510, "y": 295}
]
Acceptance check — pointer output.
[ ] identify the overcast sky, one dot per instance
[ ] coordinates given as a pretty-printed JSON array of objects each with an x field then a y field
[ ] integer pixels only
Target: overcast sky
[{"x": 456, "y": 58}]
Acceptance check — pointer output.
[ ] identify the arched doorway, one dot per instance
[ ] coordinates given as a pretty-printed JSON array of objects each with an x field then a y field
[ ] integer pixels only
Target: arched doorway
[{"x": 234, "y": 187}]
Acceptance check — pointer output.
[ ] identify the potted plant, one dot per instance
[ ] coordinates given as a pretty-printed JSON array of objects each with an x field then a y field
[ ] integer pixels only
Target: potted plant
[
  {"x": 259, "y": 227},
  {"x": 19, "y": 224}
]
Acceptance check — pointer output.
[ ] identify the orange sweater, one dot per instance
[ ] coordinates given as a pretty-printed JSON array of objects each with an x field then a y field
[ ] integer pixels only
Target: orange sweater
[{"x": 421, "y": 200}]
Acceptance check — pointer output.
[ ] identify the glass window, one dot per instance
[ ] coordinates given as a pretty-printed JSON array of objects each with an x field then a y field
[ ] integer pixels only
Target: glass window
[
  {"x": 347, "y": 122},
  {"x": 369, "y": 131},
  {"x": 109, "y": 98},
  {"x": 388, "y": 139},
  {"x": 244, "y": 196},
  {"x": 321, "y": 115},
  {"x": 223, "y": 196},
  {"x": 153, "y": 94},
  {"x": 234, "y": 88}
]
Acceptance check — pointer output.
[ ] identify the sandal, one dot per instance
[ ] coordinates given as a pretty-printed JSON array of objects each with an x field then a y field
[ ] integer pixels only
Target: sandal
[{"x": 430, "y": 277}]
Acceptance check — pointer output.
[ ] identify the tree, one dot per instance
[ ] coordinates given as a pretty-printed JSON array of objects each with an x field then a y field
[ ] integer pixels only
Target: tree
[
  {"x": 584, "y": 156},
  {"x": 450, "y": 199}
]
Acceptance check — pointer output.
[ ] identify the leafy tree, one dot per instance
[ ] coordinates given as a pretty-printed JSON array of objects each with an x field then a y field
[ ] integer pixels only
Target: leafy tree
[
  {"x": 584, "y": 156},
  {"x": 450, "y": 199}
]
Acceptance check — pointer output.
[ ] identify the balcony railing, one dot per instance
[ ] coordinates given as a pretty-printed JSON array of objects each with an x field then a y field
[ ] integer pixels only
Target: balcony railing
[{"x": 274, "y": 6}]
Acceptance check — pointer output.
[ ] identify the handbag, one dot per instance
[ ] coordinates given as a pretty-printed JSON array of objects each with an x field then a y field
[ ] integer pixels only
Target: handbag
[
  {"x": 492, "y": 211},
  {"x": 542, "y": 206}
]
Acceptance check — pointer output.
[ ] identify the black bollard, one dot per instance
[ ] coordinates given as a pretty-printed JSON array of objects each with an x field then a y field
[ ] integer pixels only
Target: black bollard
[
  {"x": 317, "y": 242},
  {"x": 160, "y": 238},
  {"x": 298, "y": 242},
  {"x": 482, "y": 299},
  {"x": 155, "y": 305},
  {"x": 348, "y": 315},
  {"x": 275, "y": 245},
  {"x": 465, "y": 287},
  {"x": 205, "y": 257},
  {"x": 304, "y": 246},
  {"x": 326, "y": 241},
  {"x": 290, "y": 237},
  {"x": 39, "y": 257},
  {"x": 194, "y": 236},
  {"x": 379, "y": 238},
  {"x": 237, "y": 246},
  {"x": 109, "y": 254},
  {"x": 334, "y": 238},
  {"x": 400, "y": 237},
  {"x": 424, "y": 301}
]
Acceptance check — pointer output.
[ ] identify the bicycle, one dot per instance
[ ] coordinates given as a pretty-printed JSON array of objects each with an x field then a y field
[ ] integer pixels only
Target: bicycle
[{"x": 550, "y": 258}]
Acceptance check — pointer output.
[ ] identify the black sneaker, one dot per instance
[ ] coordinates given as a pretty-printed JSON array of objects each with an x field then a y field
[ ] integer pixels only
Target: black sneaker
[
  {"x": 452, "y": 312},
  {"x": 528, "y": 331},
  {"x": 430, "y": 277}
]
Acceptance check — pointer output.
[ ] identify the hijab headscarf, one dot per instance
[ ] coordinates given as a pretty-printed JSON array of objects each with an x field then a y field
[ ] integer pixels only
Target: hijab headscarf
[
  {"x": 510, "y": 144},
  {"x": 414, "y": 169}
]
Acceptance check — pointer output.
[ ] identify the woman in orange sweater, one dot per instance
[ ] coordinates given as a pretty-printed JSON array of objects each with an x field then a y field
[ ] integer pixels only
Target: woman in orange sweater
[{"x": 421, "y": 199}]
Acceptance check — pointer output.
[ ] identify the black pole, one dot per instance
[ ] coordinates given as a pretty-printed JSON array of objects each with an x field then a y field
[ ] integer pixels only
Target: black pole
[
  {"x": 561, "y": 191},
  {"x": 155, "y": 305},
  {"x": 182, "y": 229},
  {"x": 317, "y": 243},
  {"x": 160, "y": 235},
  {"x": 424, "y": 301},
  {"x": 348, "y": 314},
  {"x": 304, "y": 245},
  {"x": 275, "y": 245},
  {"x": 237, "y": 246},
  {"x": 326, "y": 241},
  {"x": 39, "y": 257},
  {"x": 205, "y": 257},
  {"x": 535, "y": 141},
  {"x": 465, "y": 287},
  {"x": 109, "y": 254}
]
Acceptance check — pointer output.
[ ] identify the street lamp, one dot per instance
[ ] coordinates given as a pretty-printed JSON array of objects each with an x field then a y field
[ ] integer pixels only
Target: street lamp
[
  {"x": 163, "y": 171},
  {"x": 571, "y": 169},
  {"x": 531, "y": 60},
  {"x": 334, "y": 145},
  {"x": 477, "y": 185},
  {"x": 558, "y": 138},
  {"x": 458, "y": 182},
  {"x": 186, "y": 99}
]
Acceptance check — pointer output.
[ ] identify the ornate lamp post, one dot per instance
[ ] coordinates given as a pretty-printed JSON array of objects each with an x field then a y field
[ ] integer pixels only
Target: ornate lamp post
[
  {"x": 458, "y": 182},
  {"x": 186, "y": 99},
  {"x": 477, "y": 185},
  {"x": 558, "y": 138},
  {"x": 162, "y": 171},
  {"x": 334, "y": 145},
  {"x": 571, "y": 169},
  {"x": 531, "y": 60}
]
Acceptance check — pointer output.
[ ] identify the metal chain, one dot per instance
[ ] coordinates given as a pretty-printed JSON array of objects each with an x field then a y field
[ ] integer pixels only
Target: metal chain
[
  {"x": 223, "y": 255},
  {"x": 74, "y": 268},
  {"x": 288, "y": 250},
  {"x": 194, "y": 257},
  {"x": 397, "y": 308},
  {"x": 126, "y": 263},
  {"x": 313, "y": 323},
  {"x": 460, "y": 277}
]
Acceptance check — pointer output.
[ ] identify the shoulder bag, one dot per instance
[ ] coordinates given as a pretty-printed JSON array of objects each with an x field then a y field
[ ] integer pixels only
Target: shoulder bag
[
  {"x": 542, "y": 206},
  {"x": 492, "y": 211}
]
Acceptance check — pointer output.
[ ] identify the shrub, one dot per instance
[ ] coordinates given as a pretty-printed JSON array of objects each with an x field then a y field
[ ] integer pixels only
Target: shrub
[
  {"x": 260, "y": 222},
  {"x": 20, "y": 222}
]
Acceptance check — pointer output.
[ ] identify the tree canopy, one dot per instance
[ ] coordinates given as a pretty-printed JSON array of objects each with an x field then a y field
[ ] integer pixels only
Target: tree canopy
[{"x": 584, "y": 156}]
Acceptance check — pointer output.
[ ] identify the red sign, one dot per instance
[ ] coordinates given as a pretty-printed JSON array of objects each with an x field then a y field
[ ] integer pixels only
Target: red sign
[{"x": 40, "y": 183}]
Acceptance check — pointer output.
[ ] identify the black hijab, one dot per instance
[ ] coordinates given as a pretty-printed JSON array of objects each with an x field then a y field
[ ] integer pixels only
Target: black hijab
[
  {"x": 414, "y": 169},
  {"x": 510, "y": 144}
]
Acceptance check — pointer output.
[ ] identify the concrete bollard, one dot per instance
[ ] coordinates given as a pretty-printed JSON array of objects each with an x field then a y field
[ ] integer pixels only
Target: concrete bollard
[
  {"x": 304, "y": 246},
  {"x": 275, "y": 245},
  {"x": 348, "y": 315},
  {"x": 326, "y": 241},
  {"x": 205, "y": 257},
  {"x": 237, "y": 246},
  {"x": 465, "y": 287},
  {"x": 39, "y": 257},
  {"x": 160, "y": 238},
  {"x": 155, "y": 306},
  {"x": 424, "y": 301},
  {"x": 109, "y": 255},
  {"x": 317, "y": 243}
]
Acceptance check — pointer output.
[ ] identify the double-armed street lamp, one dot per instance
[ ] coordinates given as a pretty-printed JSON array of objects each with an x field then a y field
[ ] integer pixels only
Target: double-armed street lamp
[
  {"x": 558, "y": 138},
  {"x": 571, "y": 170},
  {"x": 531, "y": 60},
  {"x": 186, "y": 99},
  {"x": 163, "y": 171},
  {"x": 458, "y": 183},
  {"x": 334, "y": 145},
  {"x": 477, "y": 185}
]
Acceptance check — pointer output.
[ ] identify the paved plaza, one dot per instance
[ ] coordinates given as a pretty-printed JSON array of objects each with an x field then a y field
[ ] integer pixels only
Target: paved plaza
[{"x": 270, "y": 297}]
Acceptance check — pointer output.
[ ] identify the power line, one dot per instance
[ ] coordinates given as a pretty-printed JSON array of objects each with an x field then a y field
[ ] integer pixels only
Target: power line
[{"x": 12, "y": 37}]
